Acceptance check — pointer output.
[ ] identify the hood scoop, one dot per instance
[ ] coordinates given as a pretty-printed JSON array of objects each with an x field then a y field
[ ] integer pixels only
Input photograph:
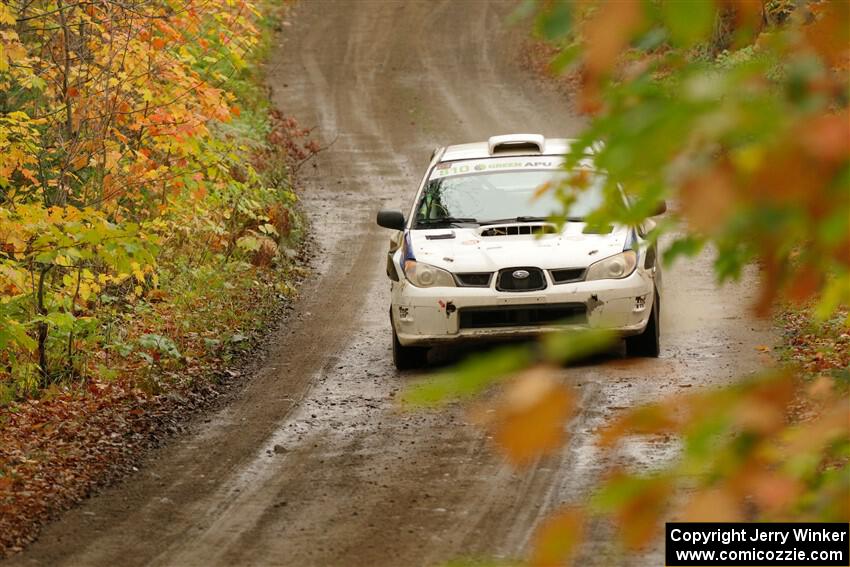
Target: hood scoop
[
  {"x": 518, "y": 229},
  {"x": 441, "y": 236}
]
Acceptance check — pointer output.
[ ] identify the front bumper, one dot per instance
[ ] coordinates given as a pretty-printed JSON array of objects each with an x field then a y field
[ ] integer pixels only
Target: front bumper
[{"x": 431, "y": 316}]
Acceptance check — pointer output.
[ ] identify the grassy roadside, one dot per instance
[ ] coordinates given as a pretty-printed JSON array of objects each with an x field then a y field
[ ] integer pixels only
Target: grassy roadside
[{"x": 226, "y": 266}]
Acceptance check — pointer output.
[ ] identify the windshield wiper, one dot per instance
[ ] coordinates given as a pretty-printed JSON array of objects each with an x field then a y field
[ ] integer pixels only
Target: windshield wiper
[
  {"x": 446, "y": 220},
  {"x": 514, "y": 219},
  {"x": 527, "y": 219}
]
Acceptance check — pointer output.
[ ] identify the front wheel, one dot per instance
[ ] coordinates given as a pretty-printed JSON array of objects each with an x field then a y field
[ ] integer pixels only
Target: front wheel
[
  {"x": 408, "y": 357},
  {"x": 648, "y": 343}
]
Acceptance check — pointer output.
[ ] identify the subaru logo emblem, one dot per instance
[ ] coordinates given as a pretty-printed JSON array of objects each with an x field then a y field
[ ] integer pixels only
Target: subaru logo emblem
[{"x": 520, "y": 274}]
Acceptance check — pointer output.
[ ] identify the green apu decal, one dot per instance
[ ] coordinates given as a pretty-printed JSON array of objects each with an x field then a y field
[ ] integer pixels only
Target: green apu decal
[{"x": 460, "y": 168}]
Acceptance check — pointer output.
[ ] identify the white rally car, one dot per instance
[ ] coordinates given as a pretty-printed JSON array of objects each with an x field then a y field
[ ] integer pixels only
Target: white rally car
[{"x": 478, "y": 258}]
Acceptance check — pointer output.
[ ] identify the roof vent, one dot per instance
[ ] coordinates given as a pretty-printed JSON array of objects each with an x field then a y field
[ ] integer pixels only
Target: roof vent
[{"x": 516, "y": 142}]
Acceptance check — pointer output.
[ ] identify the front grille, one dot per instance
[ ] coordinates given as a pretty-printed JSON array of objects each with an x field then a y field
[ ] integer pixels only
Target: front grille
[
  {"x": 480, "y": 279},
  {"x": 567, "y": 275},
  {"x": 508, "y": 279},
  {"x": 517, "y": 230},
  {"x": 522, "y": 315}
]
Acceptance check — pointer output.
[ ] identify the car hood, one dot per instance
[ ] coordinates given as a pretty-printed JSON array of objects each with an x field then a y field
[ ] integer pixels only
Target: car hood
[{"x": 471, "y": 250}]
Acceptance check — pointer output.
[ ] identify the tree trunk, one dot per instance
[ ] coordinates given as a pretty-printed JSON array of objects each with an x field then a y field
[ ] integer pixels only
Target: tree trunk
[{"x": 42, "y": 326}]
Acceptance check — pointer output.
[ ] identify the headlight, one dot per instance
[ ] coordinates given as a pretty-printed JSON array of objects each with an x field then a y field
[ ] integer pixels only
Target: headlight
[
  {"x": 614, "y": 267},
  {"x": 421, "y": 274}
]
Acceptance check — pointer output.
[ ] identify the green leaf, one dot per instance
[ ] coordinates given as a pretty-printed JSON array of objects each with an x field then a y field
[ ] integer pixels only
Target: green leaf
[
  {"x": 689, "y": 22},
  {"x": 568, "y": 346},
  {"x": 619, "y": 490},
  {"x": 688, "y": 246},
  {"x": 470, "y": 377},
  {"x": 161, "y": 344},
  {"x": 524, "y": 10},
  {"x": 14, "y": 332},
  {"x": 564, "y": 59},
  {"x": 555, "y": 21},
  {"x": 61, "y": 320},
  {"x": 249, "y": 243}
]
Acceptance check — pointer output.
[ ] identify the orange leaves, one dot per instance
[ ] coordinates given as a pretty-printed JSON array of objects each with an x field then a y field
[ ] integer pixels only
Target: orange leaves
[
  {"x": 170, "y": 27},
  {"x": 829, "y": 34},
  {"x": 606, "y": 35},
  {"x": 772, "y": 491},
  {"x": 742, "y": 457},
  {"x": 200, "y": 192},
  {"x": 649, "y": 419},
  {"x": 529, "y": 417},
  {"x": 557, "y": 539},
  {"x": 805, "y": 283},
  {"x": 826, "y": 137},
  {"x": 788, "y": 174},
  {"x": 762, "y": 409},
  {"x": 712, "y": 505},
  {"x": 811, "y": 437},
  {"x": 708, "y": 198},
  {"x": 158, "y": 43},
  {"x": 639, "y": 517},
  {"x": 636, "y": 504}
]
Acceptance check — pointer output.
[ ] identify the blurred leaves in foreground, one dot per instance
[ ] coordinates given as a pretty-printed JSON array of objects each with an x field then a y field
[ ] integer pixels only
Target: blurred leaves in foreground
[{"x": 737, "y": 113}]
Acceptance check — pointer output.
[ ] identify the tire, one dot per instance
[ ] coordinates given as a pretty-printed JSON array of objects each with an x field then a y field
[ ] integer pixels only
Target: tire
[
  {"x": 408, "y": 358},
  {"x": 648, "y": 343}
]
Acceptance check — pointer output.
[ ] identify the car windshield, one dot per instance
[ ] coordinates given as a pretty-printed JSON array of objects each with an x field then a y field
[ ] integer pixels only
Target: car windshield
[{"x": 482, "y": 198}]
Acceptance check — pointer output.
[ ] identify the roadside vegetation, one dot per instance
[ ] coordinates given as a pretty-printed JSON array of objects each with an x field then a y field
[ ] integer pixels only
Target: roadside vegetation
[
  {"x": 148, "y": 229},
  {"x": 737, "y": 113}
]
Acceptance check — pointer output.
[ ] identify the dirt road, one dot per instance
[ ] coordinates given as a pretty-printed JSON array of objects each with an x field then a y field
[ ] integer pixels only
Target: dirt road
[{"x": 313, "y": 464}]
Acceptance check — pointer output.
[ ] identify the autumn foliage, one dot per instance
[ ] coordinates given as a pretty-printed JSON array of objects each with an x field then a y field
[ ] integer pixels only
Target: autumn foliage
[
  {"x": 147, "y": 230},
  {"x": 128, "y": 135}
]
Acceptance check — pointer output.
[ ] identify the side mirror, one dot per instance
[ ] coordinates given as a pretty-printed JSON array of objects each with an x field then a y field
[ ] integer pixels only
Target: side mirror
[
  {"x": 660, "y": 209},
  {"x": 391, "y": 219}
]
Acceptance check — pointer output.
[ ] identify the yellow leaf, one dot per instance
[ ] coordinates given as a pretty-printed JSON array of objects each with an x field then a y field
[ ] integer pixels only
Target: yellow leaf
[
  {"x": 749, "y": 158},
  {"x": 541, "y": 190},
  {"x": 6, "y": 16}
]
